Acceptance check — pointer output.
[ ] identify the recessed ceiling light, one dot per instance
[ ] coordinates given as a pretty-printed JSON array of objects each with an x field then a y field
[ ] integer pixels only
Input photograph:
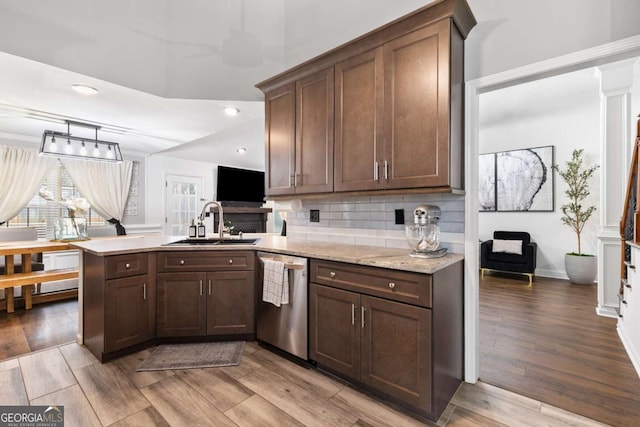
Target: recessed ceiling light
[
  {"x": 84, "y": 89},
  {"x": 241, "y": 150},
  {"x": 231, "y": 111}
]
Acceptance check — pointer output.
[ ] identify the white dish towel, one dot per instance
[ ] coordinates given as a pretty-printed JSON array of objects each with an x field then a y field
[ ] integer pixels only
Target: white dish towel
[{"x": 275, "y": 288}]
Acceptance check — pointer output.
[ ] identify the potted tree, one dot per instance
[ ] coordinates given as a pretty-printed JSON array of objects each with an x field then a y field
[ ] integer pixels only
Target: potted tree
[{"x": 581, "y": 268}]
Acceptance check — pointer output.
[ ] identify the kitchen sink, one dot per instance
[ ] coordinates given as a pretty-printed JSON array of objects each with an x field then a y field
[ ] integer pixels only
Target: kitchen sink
[{"x": 212, "y": 241}]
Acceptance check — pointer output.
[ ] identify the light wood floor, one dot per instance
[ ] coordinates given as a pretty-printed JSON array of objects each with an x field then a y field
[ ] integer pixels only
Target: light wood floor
[
  {"x": 546, "y": 342},
  {"x": 264, "y": 390}
]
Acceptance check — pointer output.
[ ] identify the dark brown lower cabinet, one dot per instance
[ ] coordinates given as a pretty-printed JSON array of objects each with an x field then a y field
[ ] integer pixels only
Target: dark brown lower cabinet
[
  {"x": 397, "y": 334},
  {"x": 396, "y": 350},
  {"x": 230, "y": 302},
  {"x": 334, "y": 335},
  {"x": 182, "y": 304},
  {"x": 213, "y": 303},
  {"x": 380, "y": 343},
  {"x": 126, "y": 320},
  {"x": 119, "y": 302}
]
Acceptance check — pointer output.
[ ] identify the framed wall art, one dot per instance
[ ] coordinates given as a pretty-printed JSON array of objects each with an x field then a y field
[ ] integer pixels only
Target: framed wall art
[
  {"x": 523, "y": 180},
  {"x": 487, "y": 182}
]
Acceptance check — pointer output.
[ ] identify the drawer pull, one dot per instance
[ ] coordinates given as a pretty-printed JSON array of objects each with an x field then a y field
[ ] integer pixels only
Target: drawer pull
[
  {"x": 144, "y": 291},
  {"x": 332, "y": 274},
  {"x": 392, "y": 285},
  {"x": 127, "y": 266},
  {"x": 181, "y": 262},
  {"x": 230, "y": 261}
]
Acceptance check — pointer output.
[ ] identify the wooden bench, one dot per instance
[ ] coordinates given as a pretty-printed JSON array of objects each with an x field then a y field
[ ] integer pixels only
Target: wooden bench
[{"x": 27, "y": 280}]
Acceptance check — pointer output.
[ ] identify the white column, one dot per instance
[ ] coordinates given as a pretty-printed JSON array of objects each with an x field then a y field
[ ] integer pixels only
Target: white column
[{"x": 616, "y": 80}]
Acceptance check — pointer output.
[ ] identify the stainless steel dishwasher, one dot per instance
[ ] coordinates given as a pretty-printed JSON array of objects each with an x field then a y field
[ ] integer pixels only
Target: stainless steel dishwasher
[{"x": 285, "y": 327}]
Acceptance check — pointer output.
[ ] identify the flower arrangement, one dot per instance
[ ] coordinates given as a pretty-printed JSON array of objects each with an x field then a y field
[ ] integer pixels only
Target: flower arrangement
[
  {"x": 77, "y": 206},
  {"x": 71, "y": 228}
]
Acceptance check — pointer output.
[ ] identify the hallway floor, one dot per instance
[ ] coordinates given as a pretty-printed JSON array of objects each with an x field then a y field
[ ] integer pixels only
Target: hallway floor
[{"x": 546, "y": 342}]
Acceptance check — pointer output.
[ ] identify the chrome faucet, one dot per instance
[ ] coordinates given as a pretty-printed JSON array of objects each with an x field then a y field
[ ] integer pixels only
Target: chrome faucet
[{"x": 220, "y": 219}]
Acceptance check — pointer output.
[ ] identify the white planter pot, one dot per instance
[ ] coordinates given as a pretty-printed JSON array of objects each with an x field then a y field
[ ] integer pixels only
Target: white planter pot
[{"x": 582, "y": 270}]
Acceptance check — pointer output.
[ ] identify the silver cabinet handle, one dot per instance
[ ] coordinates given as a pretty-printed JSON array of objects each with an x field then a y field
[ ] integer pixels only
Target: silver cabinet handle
[
  {"x": 127, "y": 266},
  {"x": 376, "y": 176},
  {"x": 332, "y": 274},
  {"x": 386, "y": 170},
  {"x": 200, "y": 287},
  {"x": 144, "y": 291},
  {"x": 209, "y": 286},
  {"x": 353, "y": 314},
  {"x": 295, "y": 179},
  {"x": 230, "y": 261},
  {"x": 362, "y": 313},
  {"x": 181, "y": 262},
  {"x": 392, "y": 285}
]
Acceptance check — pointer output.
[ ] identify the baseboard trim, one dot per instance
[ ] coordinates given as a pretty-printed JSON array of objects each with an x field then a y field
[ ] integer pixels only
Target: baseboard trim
[{"x": 606, "y": 311}]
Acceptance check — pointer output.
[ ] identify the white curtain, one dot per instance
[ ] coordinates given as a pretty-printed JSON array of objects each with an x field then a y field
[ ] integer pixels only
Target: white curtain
[
  {"x": 21, "y": 174},
  {"x": 104, "y": 185}
]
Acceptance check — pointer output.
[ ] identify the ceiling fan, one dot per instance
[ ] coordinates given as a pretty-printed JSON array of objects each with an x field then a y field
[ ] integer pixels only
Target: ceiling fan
[{"x": 239, "y": 48}]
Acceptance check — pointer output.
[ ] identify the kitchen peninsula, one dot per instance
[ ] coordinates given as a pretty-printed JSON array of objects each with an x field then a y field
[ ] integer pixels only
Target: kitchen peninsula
[{"x": 395, "y": 326}]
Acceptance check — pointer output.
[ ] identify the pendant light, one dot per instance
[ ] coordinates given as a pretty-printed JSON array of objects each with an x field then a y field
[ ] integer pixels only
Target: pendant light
[{"x": 76, "y": 146}]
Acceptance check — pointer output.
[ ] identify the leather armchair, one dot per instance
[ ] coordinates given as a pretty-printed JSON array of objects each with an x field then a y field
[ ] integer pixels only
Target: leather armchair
[{"x": 524, "y": 263}]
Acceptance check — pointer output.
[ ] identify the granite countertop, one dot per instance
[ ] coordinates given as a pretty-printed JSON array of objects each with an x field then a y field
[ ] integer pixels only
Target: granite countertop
[{"x": 392, "y": 258}]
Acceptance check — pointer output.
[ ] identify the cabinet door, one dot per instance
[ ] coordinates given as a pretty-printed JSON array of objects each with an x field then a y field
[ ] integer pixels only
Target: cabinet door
[
  {"x": 334, "y": 329},
  {"x": 416, "y": 104},
  {"x": 396, "y": 350},
  {"x": 280, "y": 116},
  {"x": 181, "y": 304},
  {"x": 358, "y": 135},
  {"x": 230, "y": 302},
  {"x": 126, "y": 309},
  {"x": 314, "y": 133}
]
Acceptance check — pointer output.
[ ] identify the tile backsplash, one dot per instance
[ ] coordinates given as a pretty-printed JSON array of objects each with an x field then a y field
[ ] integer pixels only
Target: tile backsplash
[{"x": 370, "y": 220}]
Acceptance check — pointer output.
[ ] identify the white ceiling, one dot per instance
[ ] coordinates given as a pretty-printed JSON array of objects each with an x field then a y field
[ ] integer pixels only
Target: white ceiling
[{"x": 164, "y": 68}]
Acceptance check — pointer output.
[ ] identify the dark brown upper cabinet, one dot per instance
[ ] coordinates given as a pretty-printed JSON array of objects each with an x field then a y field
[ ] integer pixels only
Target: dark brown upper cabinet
[
  {"x": 358, "y": 125},
  {"x": 394, "y": 111},
  {"x": 299, "y": 136}
]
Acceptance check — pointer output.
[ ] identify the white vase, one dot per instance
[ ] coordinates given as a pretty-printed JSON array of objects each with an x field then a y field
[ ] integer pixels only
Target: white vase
[
  {"x": 581, "y": 269},
  {"x": 69, "y": 229}
]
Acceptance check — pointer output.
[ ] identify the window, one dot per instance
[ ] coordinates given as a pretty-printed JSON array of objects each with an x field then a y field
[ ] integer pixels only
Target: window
[{"x": 41, "y": 214}]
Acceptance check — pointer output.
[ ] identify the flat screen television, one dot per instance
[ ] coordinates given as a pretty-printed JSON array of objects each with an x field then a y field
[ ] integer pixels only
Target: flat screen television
[{"x": 240, "y": 187}]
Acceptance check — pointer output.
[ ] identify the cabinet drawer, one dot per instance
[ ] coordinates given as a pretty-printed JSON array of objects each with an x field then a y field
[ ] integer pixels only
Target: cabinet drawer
[
  {"x": 411, "y": 288},
  {"x": 205, "y": 261},
  {"x": 126, "y": 265}
]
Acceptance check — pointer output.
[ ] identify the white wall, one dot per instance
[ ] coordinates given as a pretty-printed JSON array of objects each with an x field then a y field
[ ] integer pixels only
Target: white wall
[
  {"x": 540, "y": 117},
  {"x": 635, "y": 102}
]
